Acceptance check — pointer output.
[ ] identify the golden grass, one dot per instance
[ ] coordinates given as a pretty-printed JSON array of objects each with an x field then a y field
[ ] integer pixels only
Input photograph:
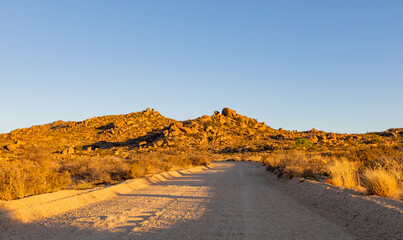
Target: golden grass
[
  {"x": 33, "y": 174},
  {"x": 379, "y": 170},
  {"x": 381, "y": 182},
  {"x": 344, "y": 173},
  {"x": 36, "y": 172}
]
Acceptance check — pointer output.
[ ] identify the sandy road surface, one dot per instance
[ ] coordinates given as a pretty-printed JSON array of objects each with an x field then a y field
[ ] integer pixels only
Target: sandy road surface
[{"x": 231, "y": 201}]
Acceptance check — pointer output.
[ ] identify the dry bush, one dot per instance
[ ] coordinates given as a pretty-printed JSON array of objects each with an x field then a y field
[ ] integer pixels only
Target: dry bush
[
  {"x": 97, "y": 170},
  {"x": 295, "y": 164},
  {"x": 199, "y": 160},
  {"x": 34, "y": 173},
  {"x": 381, "y": 182},
  {"x": 344, "y": 173},
  {"x": 144, "y": 164},
  {"x": 375, "y": 156}
]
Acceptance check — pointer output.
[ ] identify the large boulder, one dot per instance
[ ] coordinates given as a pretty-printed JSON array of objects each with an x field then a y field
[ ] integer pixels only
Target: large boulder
[{"x": 228, "y": 112}]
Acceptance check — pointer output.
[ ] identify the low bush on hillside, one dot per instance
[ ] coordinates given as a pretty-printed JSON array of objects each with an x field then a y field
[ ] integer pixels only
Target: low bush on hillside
[{"x": 302, "y": 143}]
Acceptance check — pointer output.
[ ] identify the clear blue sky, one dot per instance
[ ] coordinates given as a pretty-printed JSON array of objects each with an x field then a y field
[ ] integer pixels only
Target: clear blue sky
[{"x": 330, "y": 65}]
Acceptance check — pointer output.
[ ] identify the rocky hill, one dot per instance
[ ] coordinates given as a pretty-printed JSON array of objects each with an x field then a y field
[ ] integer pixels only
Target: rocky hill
[
  {"x": 107, "y": 132},
  {"x": 109, "y": 149},
  {"x": 225, "y": 132}
]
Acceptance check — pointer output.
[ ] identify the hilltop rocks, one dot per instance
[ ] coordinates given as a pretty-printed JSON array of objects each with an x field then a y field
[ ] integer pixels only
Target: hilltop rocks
[
  {"x": 206, "y": 118},
  {"x": 228, "y": 112}
]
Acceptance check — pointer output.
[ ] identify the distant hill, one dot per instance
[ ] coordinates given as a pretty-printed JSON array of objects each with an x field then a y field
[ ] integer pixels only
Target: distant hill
[
  {"x": 148, "y": 130},
  {"x": 110, "y": 149}
]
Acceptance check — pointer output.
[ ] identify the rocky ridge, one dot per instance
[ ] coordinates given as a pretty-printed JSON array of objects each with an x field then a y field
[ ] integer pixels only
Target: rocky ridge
[{"x": 148, "y": 130}]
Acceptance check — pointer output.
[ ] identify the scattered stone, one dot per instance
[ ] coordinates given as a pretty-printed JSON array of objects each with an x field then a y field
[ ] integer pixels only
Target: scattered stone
[
  {"x": 313, "y": 138},
  {"x": 209, "y": 129},
  {"x": 175, "y": 133},
  {"x": 186, "y": 130},
  {"x": 70, "y": 150},
  {"x": 11, "y": 147}
]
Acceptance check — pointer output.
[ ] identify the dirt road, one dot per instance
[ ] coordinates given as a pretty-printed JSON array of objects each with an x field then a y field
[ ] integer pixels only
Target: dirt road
[{"x": 231, "y": 201}]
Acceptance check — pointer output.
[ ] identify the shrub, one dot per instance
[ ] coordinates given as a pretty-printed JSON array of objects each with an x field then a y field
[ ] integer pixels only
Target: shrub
[
  {"x": 97, "y": 170},
  {"x": 302, "y": 143},
  {"x": 295, "y": 164},
  {"x": 144, "y": 164},
  {"x": 199, "y": 160},
  {"x": 33, "y": 173}
]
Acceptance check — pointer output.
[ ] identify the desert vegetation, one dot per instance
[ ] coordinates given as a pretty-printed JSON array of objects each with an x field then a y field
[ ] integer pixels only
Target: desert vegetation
[
  {"x": 375, "y": 171},
  {"x": 110, "y": 149},
  {"x": 36, "y": 172}
]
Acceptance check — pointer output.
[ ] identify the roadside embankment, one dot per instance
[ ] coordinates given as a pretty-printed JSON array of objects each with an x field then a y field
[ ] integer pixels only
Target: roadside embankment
[{"x": 50, "y": 204}]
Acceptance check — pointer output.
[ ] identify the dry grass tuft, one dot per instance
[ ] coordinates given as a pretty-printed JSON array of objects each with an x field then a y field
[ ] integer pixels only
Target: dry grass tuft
[
  {"x": 381, "y": 182},
  {"x": 344, "y": 173}
]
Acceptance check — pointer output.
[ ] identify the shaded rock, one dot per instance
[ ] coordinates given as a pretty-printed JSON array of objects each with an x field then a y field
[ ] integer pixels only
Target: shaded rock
[
  {"x": 11, "y": 147},
  {"x": 228, "y": 112},
  {"x": 186, "y": 130}
]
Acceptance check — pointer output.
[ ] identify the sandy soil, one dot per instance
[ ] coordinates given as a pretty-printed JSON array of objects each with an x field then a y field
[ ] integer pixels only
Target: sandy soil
[{"x": 234, "y": 200}]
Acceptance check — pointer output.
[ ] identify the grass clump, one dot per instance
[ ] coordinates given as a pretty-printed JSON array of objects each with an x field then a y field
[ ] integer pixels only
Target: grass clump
[
  {"x": 344, "y": 173},
  {"x": 381, "y": 182}
]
